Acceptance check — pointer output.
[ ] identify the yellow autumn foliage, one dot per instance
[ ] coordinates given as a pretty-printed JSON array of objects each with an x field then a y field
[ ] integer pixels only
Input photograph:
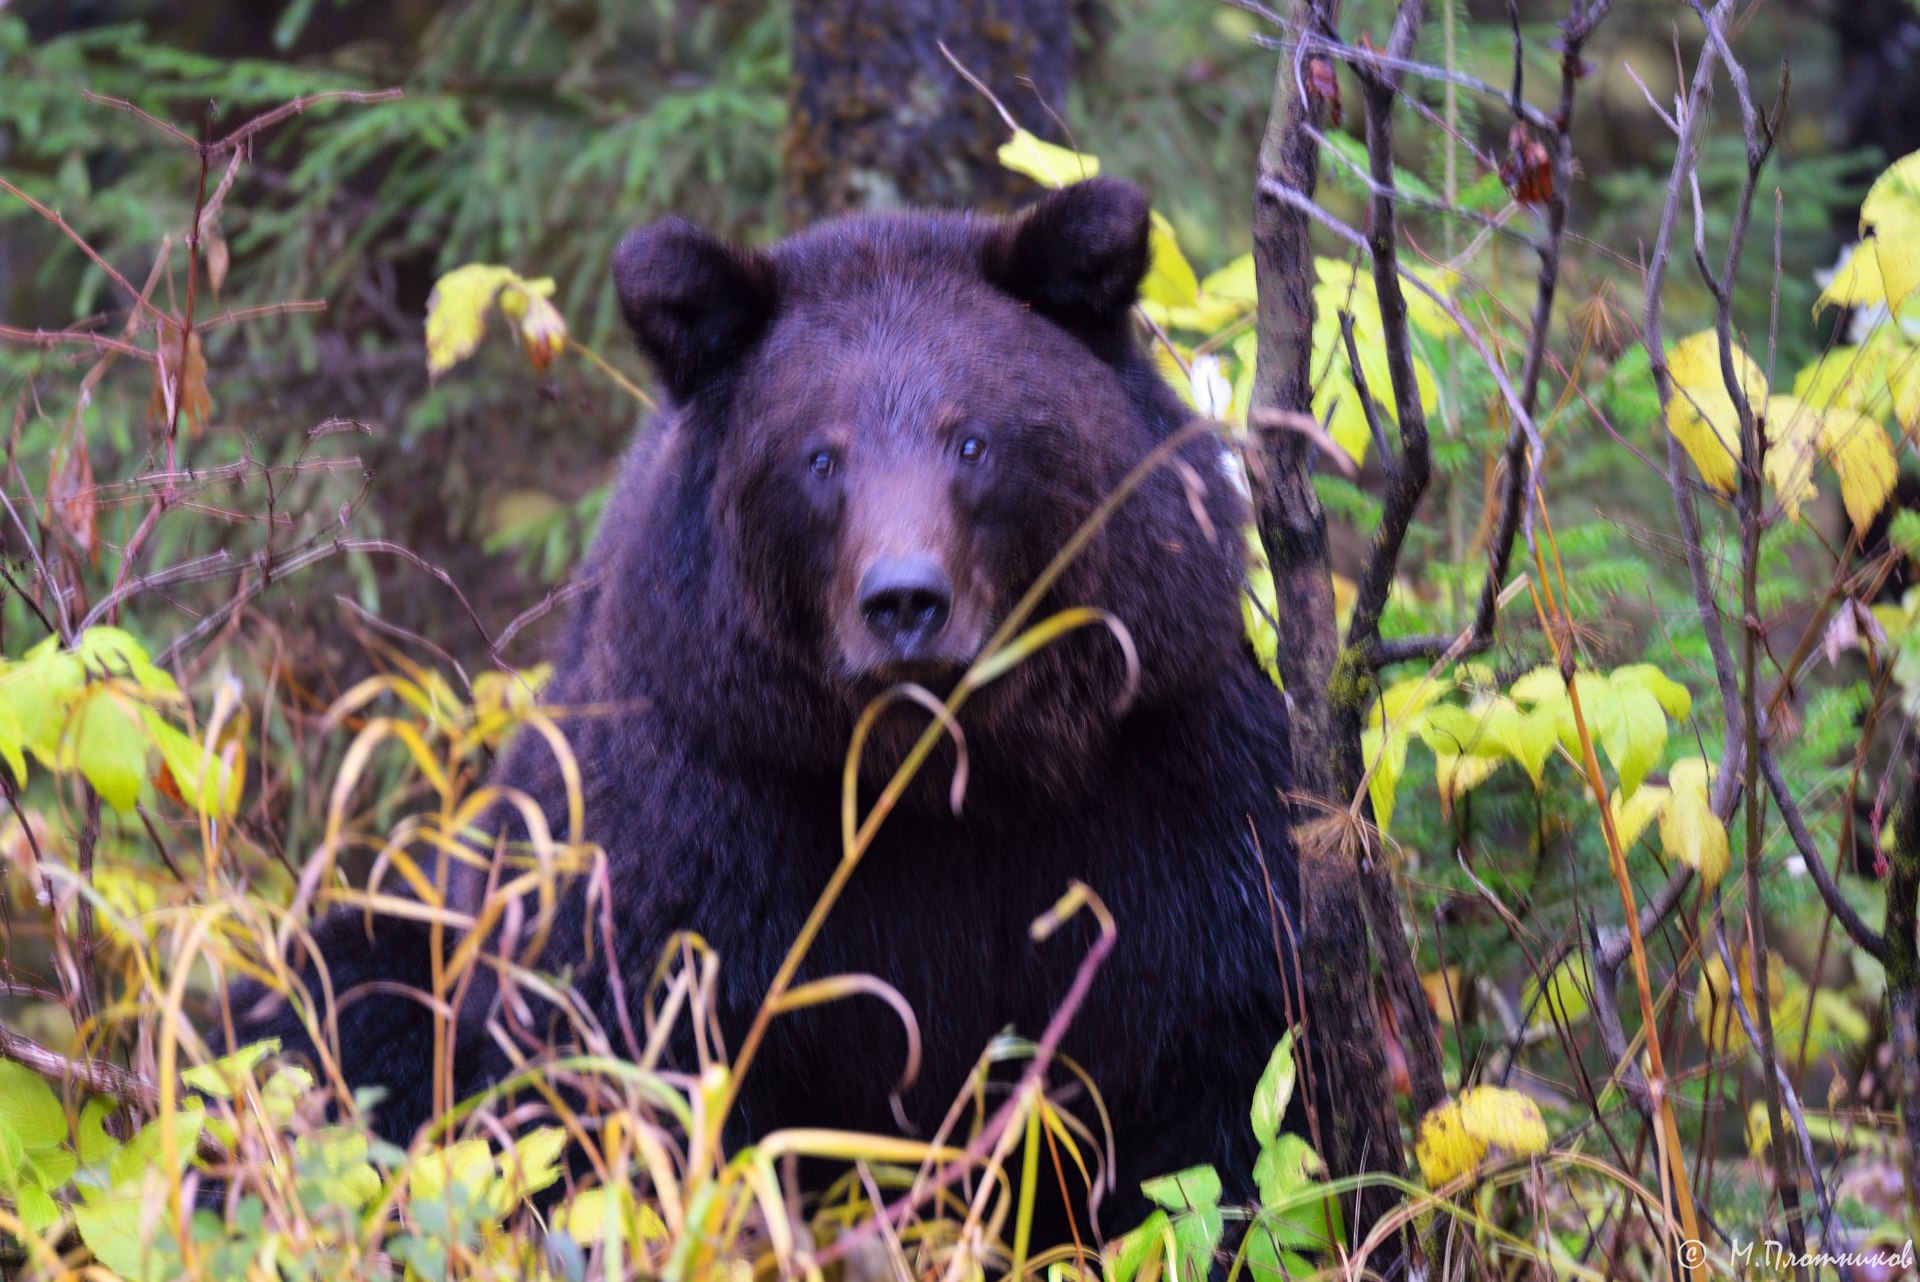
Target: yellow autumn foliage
[{"x": 1455, "y": 1136}]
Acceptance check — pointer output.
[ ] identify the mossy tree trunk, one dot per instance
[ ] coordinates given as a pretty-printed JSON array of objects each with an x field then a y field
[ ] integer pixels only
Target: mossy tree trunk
[{"x": 881, "y": 119}]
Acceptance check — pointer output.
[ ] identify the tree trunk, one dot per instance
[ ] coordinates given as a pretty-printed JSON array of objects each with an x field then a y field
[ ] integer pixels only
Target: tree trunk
[
  {"x": 1357, "y": 1128},
  {"x": 882, "y": 120}
]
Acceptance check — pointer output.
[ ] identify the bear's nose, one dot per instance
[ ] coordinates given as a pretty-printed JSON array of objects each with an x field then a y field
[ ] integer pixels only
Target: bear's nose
[{"x": 905, "y": 600}]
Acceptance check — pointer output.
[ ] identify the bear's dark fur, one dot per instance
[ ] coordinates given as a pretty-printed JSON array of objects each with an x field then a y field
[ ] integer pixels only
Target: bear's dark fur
[{"x": 877, "y": 435}]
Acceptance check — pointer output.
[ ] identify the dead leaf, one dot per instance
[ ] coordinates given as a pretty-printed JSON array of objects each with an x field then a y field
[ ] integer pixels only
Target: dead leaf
[
  {"x": 72, "y": 502},
  {"x": 1527, "y": 170},
  {"x": 219, "y": 258},
  {"x": 196, "y": 403}
]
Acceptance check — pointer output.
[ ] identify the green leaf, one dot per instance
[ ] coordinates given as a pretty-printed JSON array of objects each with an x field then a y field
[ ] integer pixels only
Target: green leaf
[
  {"x": 1635, "y": 735},
  {"x": 94, "y": 1144},
  {"x": 129, "y": 1236},
  {"x": 13, "y": 740},
  {"x": 1196, "y": 1235},
  {"x": 222, "y": 1077},
  {"x": 110, "y": 745},
  {"x": 1484, "y": 193},
  {"x": 146, "y": 1149},
  {"x": 1903, "y": 533},
  {"x": 1268, "y": 1262},
  {"x": 332, "y": 1164},
  {"x": 30, "y": 1109},
  {"x": 113, "y": 652},
  {"x": 1196, "y": 1186},
  {"x": 50, "y": 1168},
  {"x": 38, "y": 693},
  {"x": 1674, "y": 699},
  {"x": 1285, "y": 1169},
  {"x": 1355, "y": 153},
  {"x": 208, "y": 782},
  {"x": 1127, "y": 1257},
  {"x": 36, "y": 1208},
  {"x": 13, "y": 1158},
  {"x": 1274, "y": 1092}
]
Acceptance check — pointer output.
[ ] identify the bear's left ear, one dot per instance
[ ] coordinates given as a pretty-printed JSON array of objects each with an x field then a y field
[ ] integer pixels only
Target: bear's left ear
[
  {"x": 1078, "y": 255},
  {"x": 694, "y": 302}
]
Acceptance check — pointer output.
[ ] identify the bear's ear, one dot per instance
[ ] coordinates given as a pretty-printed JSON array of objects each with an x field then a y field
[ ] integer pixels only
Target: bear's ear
[
  {"x": 1077, "y": 256},
  {"x": 694, "y": 303}
]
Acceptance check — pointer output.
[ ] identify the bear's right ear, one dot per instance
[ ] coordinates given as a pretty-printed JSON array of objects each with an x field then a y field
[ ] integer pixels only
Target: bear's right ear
[
  {"x": 1078, "y": 255},
  {"x": 694, "y": 302}
]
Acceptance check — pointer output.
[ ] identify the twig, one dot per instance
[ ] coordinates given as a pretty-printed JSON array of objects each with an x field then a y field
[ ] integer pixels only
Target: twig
[{"x": 66, "y": 229}]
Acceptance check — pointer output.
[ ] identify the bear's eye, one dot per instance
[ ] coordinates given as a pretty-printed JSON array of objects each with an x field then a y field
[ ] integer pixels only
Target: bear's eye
[
  {"x": 972, "y": 450},
  {"x": 823, "y": 463}
]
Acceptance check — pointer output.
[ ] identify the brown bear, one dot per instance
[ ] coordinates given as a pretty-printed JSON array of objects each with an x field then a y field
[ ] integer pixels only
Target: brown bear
[{"x": 876, "y": 435}]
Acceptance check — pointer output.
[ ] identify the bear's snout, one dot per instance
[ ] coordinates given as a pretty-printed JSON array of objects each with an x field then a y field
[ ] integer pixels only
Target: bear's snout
[{"x": 905, "y": 603}]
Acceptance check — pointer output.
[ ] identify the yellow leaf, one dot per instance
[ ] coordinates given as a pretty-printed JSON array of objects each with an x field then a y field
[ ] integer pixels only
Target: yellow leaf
[
  {"x": 1793, "y": 445},
  {"x": 1457, "y": 1134},
  {"x": 1540, "y": 685},
  {"x": 1206, "y": 315},
  {"x": 1505, "y": 1119},
  {"x": 1457, "y": 774},
  {"x": 1903, "y": 384},
  {"x": 1345, "y": 593},
  {"x": 1713, "y": 1011},
  {"x": 1861, "y": 456},
  {"x": 1891, "y": 215},
  {"x": 1856, "y": 282},
  {"x": 1401, "y": 703},
  {"x": 468, "y": 1163},
  {"x": 1759, "y": 1129},
  {"x": 1689, "y": 830},
  {"x": 1674, "y": 699},
  {"x": 1566, "y": 995},
  {"x": 1442, "y": 988},
  {"x": 599, "y": 1214},
  {"x": 1852, "y": 378},
  {"x": 1337, "y": 404},
  {"x": 1235, "y": 281},
  {"x": 1425, "y": 314},
  {"x": 1631, "y": 818},
  {"x": 1445, "y": 1149},
  {"x": 457, "y": 310},
  {"x": 457, "y": 313},
  {"x": 1701, "y": 413},
  {"x": 1170, "y": 281},
  {"x": 1045, "y": 163},
  {"x": 1385, "y": 755}
]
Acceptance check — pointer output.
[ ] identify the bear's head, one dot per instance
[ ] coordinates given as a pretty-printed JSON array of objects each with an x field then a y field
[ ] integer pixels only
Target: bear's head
[{"x": 898, "y": 420}]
